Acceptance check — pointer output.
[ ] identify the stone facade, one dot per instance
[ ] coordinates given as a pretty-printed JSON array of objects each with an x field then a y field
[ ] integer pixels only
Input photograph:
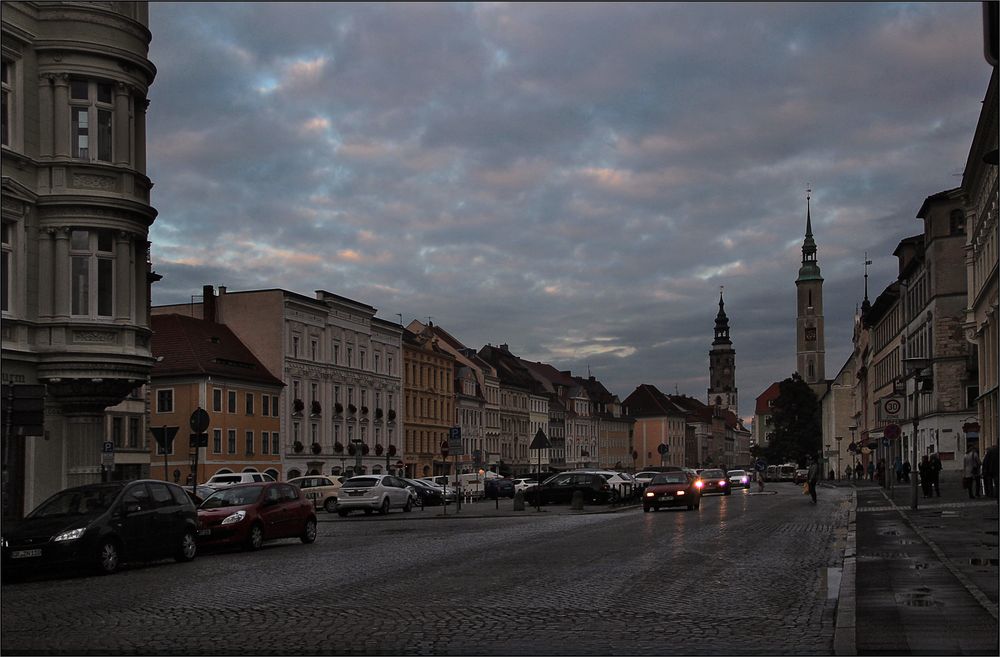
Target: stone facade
[
  {"x": 810, "y": 337},
  {"x": 76, "y": 215}
]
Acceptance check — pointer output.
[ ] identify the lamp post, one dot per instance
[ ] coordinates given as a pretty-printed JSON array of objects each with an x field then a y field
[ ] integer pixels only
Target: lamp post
[
  {"x": 913, "y": 368},
  {"x": 839, "y": 471}
]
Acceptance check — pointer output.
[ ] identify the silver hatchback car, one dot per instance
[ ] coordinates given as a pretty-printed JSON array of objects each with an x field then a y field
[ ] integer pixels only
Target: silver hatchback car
[{"x": 370, "y": 493}]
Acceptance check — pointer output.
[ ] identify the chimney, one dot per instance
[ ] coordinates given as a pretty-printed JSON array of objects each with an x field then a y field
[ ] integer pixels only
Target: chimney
[
  {"x": 222, "y": 290},
  {"x": 208, "y": 303}
]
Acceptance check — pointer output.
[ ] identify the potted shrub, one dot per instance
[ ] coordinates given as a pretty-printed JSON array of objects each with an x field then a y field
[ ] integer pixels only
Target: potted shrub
[
  {"x": 298, "y": 406},
  {"x": 352, "y": 409},
  {"x": 379, "y": 449},
  {"x": 297, "y": 446},
  {"x": 364, "y": 410},
  {"x": 316, "y": 409},
  {"x": 351, "y": 449},
  {"x": 392, "y": 450},
  {"x": 337, "y": 447},
  {"x": 378, "y": 413},
  {"x": 364, "y": 449},
  {"x": 317, "y": 448},
  {"x": 392, "y": 415},
  {"x": 338, "y": 408}
]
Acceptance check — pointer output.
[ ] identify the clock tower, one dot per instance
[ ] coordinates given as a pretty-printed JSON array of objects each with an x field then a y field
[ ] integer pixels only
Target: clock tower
[
  {"x": 809, "y": 335},
  {"x": 722, "y": 365}
]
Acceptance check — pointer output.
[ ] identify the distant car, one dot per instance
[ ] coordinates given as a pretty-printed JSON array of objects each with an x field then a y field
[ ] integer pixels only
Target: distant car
[
  {"x": 234, "y": 478},
  {"x": 801, "y": 476},
  {"x": 249, "y": 514},
  {"x": 99, "y": 526},
  {"x": 494, "y": 488},
  {"x": 714, "y": 481},
  {"x": 321, "y": 490},
  {"x": 738, "y": 479},
  {"x": 370, "y": 493},
  {"x": 524, "y": 483},
  {"x": 428, "y": 494},
  {"x": 560, "y": 488},
  {"x": 643, "y": 478},
  {"x": 672, "y": 489},
  {"x": 446, "y": 484},
  {"x": 200, "y": 493}
]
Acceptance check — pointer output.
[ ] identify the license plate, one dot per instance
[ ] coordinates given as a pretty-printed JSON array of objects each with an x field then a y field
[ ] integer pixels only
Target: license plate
[
  {"x": 355, "y": 493},
  {"x": 24, "y": 554},
  {"x": 204, "y": 532},
  {"x": 667, "y": 498}
]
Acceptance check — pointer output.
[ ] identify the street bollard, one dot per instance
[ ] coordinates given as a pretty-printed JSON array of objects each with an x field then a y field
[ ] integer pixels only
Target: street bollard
[
  {"x": 577, "y": 501},
  {"x": 519, "y": 500}
]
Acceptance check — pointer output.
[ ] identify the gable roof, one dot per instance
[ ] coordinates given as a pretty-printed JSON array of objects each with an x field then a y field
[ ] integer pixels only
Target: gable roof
[
  {"x": 763, "y": 406},
  {"x": 186, "y": 346},
  {"x": 647, "y": 401}
]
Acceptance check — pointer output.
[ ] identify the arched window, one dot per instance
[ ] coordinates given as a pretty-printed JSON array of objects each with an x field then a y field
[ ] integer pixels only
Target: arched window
[
  {"x": 313, "y": 472},
  {"x": 249, "y": 469},
  {"x": 224, "y": 471},
  {"x": 293, "y": 473},
  {"x": 273, "y": 473},
  {"x": 377, "y": 469},
  {"x": 957, "y": 222}
]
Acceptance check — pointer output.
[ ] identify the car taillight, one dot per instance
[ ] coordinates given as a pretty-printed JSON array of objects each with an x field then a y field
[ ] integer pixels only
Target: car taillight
[
  {"x": 650, "y": 494},
  {"x": 699, "y": 484}
]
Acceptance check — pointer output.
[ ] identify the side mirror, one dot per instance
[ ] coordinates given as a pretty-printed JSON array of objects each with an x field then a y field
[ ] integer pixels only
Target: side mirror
[{"x": 131, "y": 507}]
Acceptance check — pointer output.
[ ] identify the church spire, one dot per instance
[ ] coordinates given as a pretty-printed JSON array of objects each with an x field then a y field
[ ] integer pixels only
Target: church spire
[
  {"x": 866, "y": 305},
  {"x": 809, "y": 269},
  {"x": 721, "y": 323}
]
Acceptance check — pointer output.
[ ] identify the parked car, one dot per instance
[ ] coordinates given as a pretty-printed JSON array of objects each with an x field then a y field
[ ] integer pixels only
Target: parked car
[
  {"x": 524, "y": 483},
  {"x": 786, "y": 472},
  {"x": 249, "y": 514},
  {"x": 560, "y": 488},
  {"x": 620, "y": 482},
  {"x": 714, "y": 481},
  {"x": 321, "y": 490},
  {"x": 234, "y": 478},
  {"x": 801, "y": 476},
  {"x": 495, "y": 488},
  {"x": 100, "y": 526},
  {"x": 738, "y": 479},
  {"x": 643, "y": 478},
  {"x": 427, "y": 493},
  {"x": 678, "y": 488},
  {"x": 199, "y": 493},
  {"x": 370, "y": 493}
]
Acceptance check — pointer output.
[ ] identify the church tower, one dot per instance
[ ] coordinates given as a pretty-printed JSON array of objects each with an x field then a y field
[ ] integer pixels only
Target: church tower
[
  {"x": 722, "y": 365},
  {"x": 809, "y": 335}
]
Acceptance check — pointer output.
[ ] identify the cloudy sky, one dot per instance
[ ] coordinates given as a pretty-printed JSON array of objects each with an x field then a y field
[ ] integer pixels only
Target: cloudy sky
[{"x": 575, "y": 181}]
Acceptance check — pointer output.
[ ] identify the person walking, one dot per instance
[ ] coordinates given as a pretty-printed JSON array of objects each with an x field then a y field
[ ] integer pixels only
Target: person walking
[
  {"x": 970, "y": 471},
  {"x": 759, "y": 467},
  {"x": 936, "y": 468},
  {"x": 990, "y": 471},
  {"x": 926, "y": 475},
  {"x": 880, "y": 472},
  {"x": 813, "y": 477},
  {"x": 871, "y": 470},
  {"x": 906, "y": 471},
  {"x": 848, "y": 472},
  {"x": 859, "y": 471}
]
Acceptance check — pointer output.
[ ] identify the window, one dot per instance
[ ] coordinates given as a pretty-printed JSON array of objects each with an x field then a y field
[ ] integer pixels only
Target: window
[
  {"x": 265, "y": 439},
  {"x": 133, "y": 432},
  {"x": 363, "y": 363},
  {"x": 217, "y": 400},
  {"x": 232, "y": 401},
  {"x": 274, "y": 442},
  {"x": 315, "y": 349},
  {"x": 389, "y": 363},
  {"x": 6, "y": 97},
  {"x": 165, "y": 401},
  {"x": 314, "y": 390},
  {"x": 92, "y": 270},
  {"x": 249, "y": 403},
  {"x": 265, "y": 405},
  {"x": 375, "y": 363},
  {"x": 231, "y": 440},
  {"x": 274, "y": 406},
  {"x": 336, "y": 353},
  {"x": 117, "y": 431},
  {"x": 249, "y": 445},
  {"x": 957, "y": 222},
  {"x": 216, "y": 441},
  {"x": 91, "y": 116},
  {"x": 5, "y": 269},
  {"x": 350, "y": 353},
  {"x": 295, "y": 346}
]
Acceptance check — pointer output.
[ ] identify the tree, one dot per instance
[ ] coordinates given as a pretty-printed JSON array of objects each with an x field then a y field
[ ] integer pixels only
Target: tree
[{"x": 797, "y": 423}]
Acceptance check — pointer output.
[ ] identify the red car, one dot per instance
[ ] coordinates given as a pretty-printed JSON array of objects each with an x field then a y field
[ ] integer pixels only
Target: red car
[
  {"x": 681, "y": 488},
  {"x": 249, "y": 514}
]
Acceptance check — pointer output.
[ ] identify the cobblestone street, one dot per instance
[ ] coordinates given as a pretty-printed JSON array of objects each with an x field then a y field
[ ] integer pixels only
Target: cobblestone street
[{"x": 745, "y": 574}]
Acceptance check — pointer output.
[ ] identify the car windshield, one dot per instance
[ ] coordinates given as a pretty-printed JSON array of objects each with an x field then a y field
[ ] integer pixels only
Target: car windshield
[
  {"x": 78, "y": 502},
  {"x": 711, "y": 474},
  {"x": 737, "y": 473},
  {"x": 241, "y": 496},
  {"x": 225, "y": 479},
  {"x": 669, "y": 478},
  {"x": 361, "y": 482}
]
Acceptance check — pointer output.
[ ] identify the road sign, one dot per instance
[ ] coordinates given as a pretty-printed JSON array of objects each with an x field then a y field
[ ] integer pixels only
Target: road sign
[
  {"x": 199, "y": 420},
  {"x": 455, "y": 440},
  {"x": 444, "y": 448},
  {"x": 107, "y": 447},
  {"x": 199, "y": 440},
  {"x": 164, "y": 437},
  {"x": 891, "y": 409},
  {"x": 885, "y": 442},
  {"x": 891, "y": 431},
  {"x": 540, "y": 441},
  {"x": 662, "y": 449}
]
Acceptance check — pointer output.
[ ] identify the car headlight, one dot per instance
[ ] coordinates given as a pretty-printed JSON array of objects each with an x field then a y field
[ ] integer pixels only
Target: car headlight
[
  {"x": 722, "y": 483},
  {"x": 699, "y": 484},
  {"x": 650, "y": 494},
  {"x": 234, "y": 518},
  {"x": 71, "y": 535},
  {"x": 680, "y": 492}
]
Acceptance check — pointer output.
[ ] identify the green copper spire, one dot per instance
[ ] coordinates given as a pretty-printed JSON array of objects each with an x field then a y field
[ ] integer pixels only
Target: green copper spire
[{"x": 809, "y": 269}]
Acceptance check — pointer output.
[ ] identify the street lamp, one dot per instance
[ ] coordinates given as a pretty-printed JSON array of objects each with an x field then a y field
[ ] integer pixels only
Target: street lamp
[
  {"x": 913, "y": 368},
  {"x": 839, "y": 471}
]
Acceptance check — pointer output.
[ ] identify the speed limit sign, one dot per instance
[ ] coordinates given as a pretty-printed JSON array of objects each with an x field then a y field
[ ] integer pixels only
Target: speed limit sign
[{"x": 892, "y": 408}]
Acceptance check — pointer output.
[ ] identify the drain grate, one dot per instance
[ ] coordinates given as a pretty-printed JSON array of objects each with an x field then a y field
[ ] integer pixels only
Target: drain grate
[
  {"x": 976, "y": 561},
  {"x": 923, "y": 566},
  {"x": 918, "y": 598}
]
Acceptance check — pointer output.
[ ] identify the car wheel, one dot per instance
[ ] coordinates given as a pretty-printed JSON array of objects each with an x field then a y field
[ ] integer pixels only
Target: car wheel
[
  {"x": 330, "y": 505},
  {"x": 309, "y": 534},
  {"x": 646, "y": 508},
  {"x": 342, "y": 513},
  {"x": 188, "y": 547},
  {"x": 408, "y": 506},
  {"x": 108, "y": 556},
  {"x": 384, "y": 509},
  {"x": 255, "y": 540}
]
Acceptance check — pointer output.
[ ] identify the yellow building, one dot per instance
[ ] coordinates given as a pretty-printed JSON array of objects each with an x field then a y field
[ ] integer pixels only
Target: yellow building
[{"x": 428, "y": 390}]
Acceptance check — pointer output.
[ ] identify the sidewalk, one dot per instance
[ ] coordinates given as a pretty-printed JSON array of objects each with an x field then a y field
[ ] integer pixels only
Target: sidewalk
[{"x": 925, "y": 581}]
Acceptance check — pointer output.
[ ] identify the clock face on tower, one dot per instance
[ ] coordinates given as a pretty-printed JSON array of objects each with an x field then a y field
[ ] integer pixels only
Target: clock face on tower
[{"x": 811, "y": 334}]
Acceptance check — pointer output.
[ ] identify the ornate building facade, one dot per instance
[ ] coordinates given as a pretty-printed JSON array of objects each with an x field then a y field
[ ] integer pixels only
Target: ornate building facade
[{"x": 76, "y": 217}]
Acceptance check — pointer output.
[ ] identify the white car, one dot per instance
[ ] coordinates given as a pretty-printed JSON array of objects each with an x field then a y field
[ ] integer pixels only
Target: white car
[
  {"x": 322, "y": 490},
  {"x": 738, "y": 479},
  {"x": 524, "y": 484},
  {"x": 233, "y": 478},
  {"x": 370, "y": 493},
  {"x": 643, "y": 478}
]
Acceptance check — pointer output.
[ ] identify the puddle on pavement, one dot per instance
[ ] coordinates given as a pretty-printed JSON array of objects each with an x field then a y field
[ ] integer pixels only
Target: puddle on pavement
[{"x": 976, "y": 561}]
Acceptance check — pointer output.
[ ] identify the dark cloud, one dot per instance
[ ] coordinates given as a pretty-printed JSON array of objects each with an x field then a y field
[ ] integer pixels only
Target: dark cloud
[{"x": 575, "y": 181}]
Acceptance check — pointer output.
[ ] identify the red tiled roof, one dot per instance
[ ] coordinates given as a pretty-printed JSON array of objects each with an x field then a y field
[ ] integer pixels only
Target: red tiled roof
[
  {"x": 646, "y": 400},
  {"x": 763, "y": 407},
  {"x": 190, "y": 346}
]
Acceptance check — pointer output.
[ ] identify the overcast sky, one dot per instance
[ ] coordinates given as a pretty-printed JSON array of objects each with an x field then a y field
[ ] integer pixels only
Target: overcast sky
[{"x": 575, "y": 181}]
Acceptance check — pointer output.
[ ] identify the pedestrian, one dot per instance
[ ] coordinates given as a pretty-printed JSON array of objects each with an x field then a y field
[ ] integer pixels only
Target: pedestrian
[
  {"x": 880, "y": 472},
  {"x": 926, "y": 475},
  {"x": 906, "y": 471},
  {"x": 871, "y": 470},
  {"x": 936, "y": 468},
  {"x": 897, "y": 467},
  {"x": 759, "y": 467},
  {"x": 990, "y": 471},
  {"x": 859, "y": 471},
  {"x": 813, "y": 477},
  {"x": 848, "y": 472},
  {"x": 970, "y": 471}
]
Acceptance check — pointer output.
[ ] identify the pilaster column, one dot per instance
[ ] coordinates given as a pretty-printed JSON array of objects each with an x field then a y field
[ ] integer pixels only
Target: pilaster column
[
  {"x": 46, "y": 276},
  {"x": 122, "y": 147},
  {"x": 61, "y": 282},
  {"x": 61, "y": 115},
  {"x": 141, "y": 281},
  {"x": 124, "y": 276},
  {"x": 141, "y": 105},
  {"x": 46, "y": 123}
]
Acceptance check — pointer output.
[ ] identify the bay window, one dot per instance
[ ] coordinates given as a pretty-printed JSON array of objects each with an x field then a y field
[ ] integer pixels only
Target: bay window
[
  {"x": 92, "y": 269},
  {"x": 92, "y": 118}
]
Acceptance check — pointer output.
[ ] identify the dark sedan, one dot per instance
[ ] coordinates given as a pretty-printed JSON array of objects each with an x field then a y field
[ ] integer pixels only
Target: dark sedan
[
  {"x": 249, "y": 514},
  {"x": 100, "y": 526},
  {"x": 672, "y": 489},
  {"x": 560, "y": 488},
  {"x": 715, "y": 481},
  {"x": 494, "y": 488},
  {"x": 427, "y": 494}
]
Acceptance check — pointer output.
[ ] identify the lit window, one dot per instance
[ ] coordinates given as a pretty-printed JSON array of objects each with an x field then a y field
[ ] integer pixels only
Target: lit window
[
  {"x": 92, "y": 268},
  {"x": 91, "y": 116}
]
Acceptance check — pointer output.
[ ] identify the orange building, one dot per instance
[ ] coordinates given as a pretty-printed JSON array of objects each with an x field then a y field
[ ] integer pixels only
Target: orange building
[
  {"x": 202, "y": 364},
  {"x": 429, "y": 393}
]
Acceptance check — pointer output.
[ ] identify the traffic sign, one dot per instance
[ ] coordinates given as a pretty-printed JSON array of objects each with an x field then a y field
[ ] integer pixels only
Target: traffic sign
[
  {"x": 885, "y": 442},
  {"x": 107, "y": 447},
  {"x": 540, "y": 441},
  {"x": 444, "y": 448},
  {"x": 662, "y": 449},
  {"x": 164, "y": 437},
  {"x": 455, "y": 440},
  {"x": 891, "y": 409},
  {"x": 891, "y": 431},
  {"x": 199, "y": 420}
]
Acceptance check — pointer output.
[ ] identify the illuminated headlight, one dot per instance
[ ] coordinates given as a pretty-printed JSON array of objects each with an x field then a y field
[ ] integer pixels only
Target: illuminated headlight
[
  {"x": 71, "y": 535},
  {"x": 650, "y": 494},
  {"x": 744, "y": 480},
  {"x": 235, "y": 518},
  {"x": 3, "y": 542},
  {"x": 680, "y": 492},
  {"x": 722, "y": 483},
  {"x": 699, "y": 484}
]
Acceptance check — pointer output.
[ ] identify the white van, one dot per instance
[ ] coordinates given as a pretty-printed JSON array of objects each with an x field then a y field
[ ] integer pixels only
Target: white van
[
  {"x": 233, "y": 478},
  {"x": 468, "y": 484}
]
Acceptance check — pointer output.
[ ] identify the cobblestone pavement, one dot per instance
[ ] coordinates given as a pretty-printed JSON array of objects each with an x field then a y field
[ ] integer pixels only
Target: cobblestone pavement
[{"x": 745, "y": 574}]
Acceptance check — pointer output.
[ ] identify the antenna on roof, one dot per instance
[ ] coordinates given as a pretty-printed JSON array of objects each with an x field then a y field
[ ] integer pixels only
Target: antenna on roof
[
  {"x": 400, "y": 316},
  {"x": 429, "y": 320}
]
